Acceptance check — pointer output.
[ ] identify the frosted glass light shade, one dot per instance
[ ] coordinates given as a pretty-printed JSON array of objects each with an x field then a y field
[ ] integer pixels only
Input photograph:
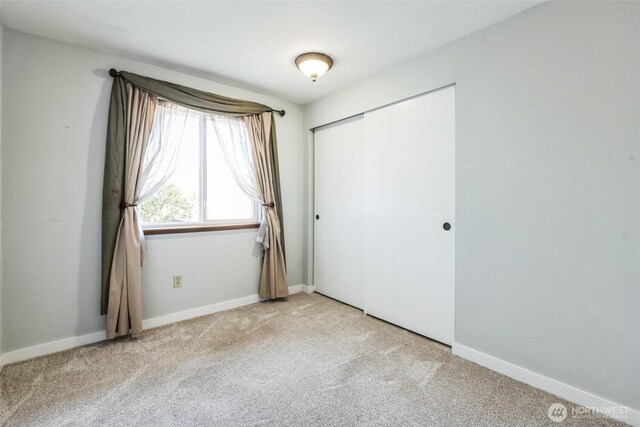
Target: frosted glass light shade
[{"x": 314, "y": 64}]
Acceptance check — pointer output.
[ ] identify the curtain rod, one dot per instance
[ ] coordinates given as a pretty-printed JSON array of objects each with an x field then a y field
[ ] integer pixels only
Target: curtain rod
[{"x": 113, "y": 73}]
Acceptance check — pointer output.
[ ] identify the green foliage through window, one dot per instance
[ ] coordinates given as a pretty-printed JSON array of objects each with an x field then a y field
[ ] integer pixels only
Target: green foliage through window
[{"x": 168, "y": 205}]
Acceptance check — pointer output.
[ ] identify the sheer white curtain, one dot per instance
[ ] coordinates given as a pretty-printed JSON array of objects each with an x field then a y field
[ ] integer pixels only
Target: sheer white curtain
[
  {"x": 233, "y": 136},
  {"x": 161, "y": 156}
]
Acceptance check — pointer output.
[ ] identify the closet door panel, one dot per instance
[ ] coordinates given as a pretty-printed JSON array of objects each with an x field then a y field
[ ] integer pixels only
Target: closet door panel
[
  {"x": 409, "y": 193},
  {"x": 338, "y": 233}
]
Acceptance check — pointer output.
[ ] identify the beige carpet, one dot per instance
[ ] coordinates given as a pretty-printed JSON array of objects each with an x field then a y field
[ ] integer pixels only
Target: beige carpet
[{"x": 307, "y": 361}]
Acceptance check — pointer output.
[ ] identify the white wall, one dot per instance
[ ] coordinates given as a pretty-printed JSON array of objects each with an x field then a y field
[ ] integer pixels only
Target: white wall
[
  {"x": 55, "y": 106},
  {"x": 548, "y": 185},
  {"x": 1, "y": 275}
]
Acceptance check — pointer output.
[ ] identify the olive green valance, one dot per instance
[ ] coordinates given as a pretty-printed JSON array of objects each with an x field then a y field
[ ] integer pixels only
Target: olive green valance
[{"x": 194, "y": 98}]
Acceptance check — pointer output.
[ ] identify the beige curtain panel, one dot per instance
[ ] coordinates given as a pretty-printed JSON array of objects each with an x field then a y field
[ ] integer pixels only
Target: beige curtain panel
[
  {"x": 273, "y": 280},
  {"x": 124, "y": 311},
  {"x": 131, "y": 113}
]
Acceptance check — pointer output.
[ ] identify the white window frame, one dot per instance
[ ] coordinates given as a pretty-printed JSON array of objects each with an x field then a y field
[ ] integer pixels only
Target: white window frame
[{"x": 204, "y": 224}]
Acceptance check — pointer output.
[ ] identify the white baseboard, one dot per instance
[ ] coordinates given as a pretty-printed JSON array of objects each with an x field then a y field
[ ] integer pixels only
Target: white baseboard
[
  {"x": 295, "y": 289},
  {"x": 308, "y": 289},
  {"x": 547, "y": 384},
  {"x": 51, "y": 347},
  {"x": 94, "y": 337}
]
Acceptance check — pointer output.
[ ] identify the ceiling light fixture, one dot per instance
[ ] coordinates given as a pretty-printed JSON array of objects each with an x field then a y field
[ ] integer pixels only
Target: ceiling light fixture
[{"x": 314, "y": 64}]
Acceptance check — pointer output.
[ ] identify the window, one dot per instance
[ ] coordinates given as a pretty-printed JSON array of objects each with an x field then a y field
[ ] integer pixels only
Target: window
[{"x": 202, "y": 191}]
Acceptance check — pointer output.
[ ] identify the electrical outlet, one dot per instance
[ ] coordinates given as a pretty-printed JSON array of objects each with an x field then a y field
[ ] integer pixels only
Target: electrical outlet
[{"x": 177, "y": 280}]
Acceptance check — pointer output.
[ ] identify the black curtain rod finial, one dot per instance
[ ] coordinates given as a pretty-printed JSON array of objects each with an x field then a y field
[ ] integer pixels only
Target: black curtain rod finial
[{"x": 281, "y": 112}]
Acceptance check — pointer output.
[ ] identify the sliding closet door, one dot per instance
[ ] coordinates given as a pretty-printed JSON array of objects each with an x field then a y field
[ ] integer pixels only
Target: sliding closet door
[
  {"x": 338, "y": 171},
  {"x": 409, "y": 194}
]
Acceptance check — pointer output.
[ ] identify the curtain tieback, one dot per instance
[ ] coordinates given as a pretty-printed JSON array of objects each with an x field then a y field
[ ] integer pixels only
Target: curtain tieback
[
  {"x": 128, "y": 205},
  {"x": 269, "y": 205}
]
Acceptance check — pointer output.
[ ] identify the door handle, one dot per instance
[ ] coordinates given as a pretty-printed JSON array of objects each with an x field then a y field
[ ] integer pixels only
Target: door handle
[
  {"x": 317, "y": 216},
  {"x": 446, "y": 226}
]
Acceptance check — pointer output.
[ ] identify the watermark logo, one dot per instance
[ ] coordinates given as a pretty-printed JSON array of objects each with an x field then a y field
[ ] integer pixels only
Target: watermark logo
[
  {"x": 557, "y": 412},
  {"x": 599, "y": 411}
]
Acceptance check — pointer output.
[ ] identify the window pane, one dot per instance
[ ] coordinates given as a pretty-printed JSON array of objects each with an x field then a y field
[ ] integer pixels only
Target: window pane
[
  {"x": 225, "y": 199},
  {"x": 178, "y": 199}
]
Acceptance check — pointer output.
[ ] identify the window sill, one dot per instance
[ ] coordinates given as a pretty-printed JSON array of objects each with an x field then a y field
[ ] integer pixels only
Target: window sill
[{"x": 197, "y": 228}]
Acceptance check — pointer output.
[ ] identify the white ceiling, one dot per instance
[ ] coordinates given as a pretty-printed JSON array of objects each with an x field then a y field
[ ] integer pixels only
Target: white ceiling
[{"x": 254, "y": 43}]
